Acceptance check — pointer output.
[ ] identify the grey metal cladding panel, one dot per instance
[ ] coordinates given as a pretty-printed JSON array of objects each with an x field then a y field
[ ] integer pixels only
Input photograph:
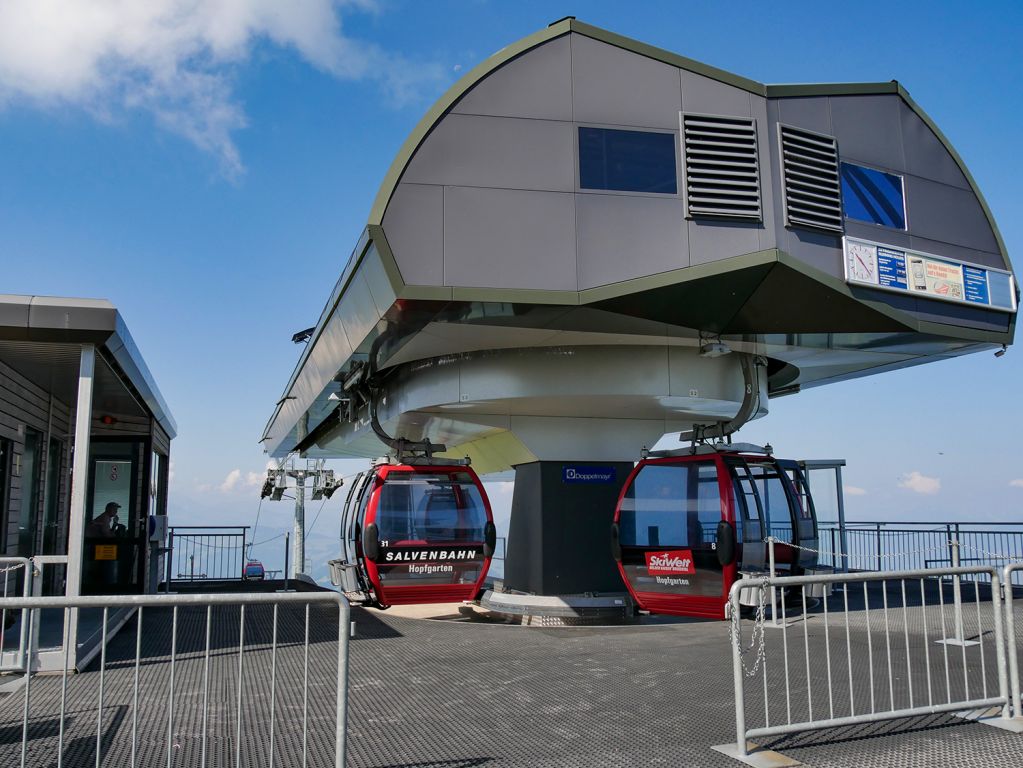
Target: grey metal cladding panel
[
  {"x": 502, "y": 152},
  {"x": 768, "y": 233},
  {"x": 962, "y": 316},
  {"x": 332, "y": 348},
  {"x": 614, "y": 86},
  {"x": 886, "y": 235},
  {"x": 14, "y": 310},
  {"x": 502, "y": 238},
  {"x": 770, "y": 175},
  {"x": 380, "y": 288},
  {"x": 812, "y": 113},
  {"x": 710, "y": 97},
  {"x": 537, "y": 84},
  {"x": 868, "y": 129},
  {"x": 711, "y": 240},
  {"x": 949, "y": 214},
  {"x": 926, "y": 156},
  {"x": 358, "y": 312},
  {"x": 821, "y": 250},
  {"x": 414, "y": 225},
  {"x": 958, "y": 252},
  {"x": 72, "y": 314},
  {"x": 621, "y": 237}
]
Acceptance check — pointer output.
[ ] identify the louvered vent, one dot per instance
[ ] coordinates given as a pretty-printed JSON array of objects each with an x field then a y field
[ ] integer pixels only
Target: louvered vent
[
  {"x": 813, "y": 193},
  {"x": 722, "y": 177}
]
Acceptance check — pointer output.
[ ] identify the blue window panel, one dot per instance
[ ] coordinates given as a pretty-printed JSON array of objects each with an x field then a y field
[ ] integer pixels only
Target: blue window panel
[
  {"x": 627, "y": 161},
  {"x": 1000, "y": 289},
  {"x": 873, "y": 196}
]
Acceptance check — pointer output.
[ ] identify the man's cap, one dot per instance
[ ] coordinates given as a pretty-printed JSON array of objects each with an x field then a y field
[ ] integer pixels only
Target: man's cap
[{"x": 112, "y": 506}]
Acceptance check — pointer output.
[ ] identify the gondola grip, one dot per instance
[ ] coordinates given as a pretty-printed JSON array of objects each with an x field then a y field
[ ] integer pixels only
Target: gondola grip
[
  {"x": 371, "y": 542},
  {"x": 489, "y": 539},
  {"x": 725, "y": 543}
]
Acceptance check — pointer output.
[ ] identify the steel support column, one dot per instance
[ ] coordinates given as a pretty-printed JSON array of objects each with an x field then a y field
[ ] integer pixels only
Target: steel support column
[{"x": 79, "y": 489}]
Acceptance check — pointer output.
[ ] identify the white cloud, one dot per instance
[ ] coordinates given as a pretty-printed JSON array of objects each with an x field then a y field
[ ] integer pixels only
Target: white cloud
[
  {"x": 1016, "y": 483},
  {"x": 175, "y": 59},
  {"x": 919, "y": 483},
  {"x": 252, "y": 479},
  {"x": 854, "y": 490},
  {"x": 231, "y": 481}
]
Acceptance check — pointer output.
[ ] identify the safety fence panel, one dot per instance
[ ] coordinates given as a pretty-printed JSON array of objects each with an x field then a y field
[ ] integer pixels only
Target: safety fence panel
[
  {"x": 1015, "y": 644},
  {"x": 16, "y": 577},
  {"x": 249, "y": 679},
  {"x": 863, "y": 647},
  {"x": 205, "y": 553}
]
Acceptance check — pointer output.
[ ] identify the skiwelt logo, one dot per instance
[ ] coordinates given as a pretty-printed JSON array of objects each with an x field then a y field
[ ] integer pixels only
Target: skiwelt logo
[{"x": 672, "y": 563}]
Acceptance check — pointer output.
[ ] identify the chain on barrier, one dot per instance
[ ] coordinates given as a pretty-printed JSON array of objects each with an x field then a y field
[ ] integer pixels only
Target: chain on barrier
[
  {"x": 757, "y": 635},
  {"x": 11, "y": 568}
]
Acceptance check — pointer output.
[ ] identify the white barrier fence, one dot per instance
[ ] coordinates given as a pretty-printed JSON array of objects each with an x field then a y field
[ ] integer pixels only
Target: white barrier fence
[
  {"x": 202, "y": 701},
  {"x": 878, "y": 646},
  {"x": 13, "y": 654}
]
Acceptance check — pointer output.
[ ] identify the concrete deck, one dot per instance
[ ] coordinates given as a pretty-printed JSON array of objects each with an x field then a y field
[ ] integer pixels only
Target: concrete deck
[{"x": 456, "y": 694}]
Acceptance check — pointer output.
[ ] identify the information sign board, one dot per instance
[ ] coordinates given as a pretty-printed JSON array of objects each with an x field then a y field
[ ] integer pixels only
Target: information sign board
[{"x": 904, "y": 270}]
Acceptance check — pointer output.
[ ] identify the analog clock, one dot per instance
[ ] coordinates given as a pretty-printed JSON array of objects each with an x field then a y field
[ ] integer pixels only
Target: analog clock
[{"x": 862, "y": 263}]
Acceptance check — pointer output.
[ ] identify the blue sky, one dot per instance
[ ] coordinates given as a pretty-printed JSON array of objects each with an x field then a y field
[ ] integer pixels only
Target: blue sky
[{"x": 210, "y": 175}]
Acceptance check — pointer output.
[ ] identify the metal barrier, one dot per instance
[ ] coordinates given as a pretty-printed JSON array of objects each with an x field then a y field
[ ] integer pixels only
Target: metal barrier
[
  {"x": 14, "y": 569},
  {"x": 206, "y": 553},
  {"x": 858, "y": 618},
  {"x": 1010, "y": 635},
  {"x": 156, "y": 734}
]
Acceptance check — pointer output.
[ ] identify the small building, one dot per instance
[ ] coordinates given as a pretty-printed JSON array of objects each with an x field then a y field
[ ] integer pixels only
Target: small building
[{"x": 84, "y": 456}]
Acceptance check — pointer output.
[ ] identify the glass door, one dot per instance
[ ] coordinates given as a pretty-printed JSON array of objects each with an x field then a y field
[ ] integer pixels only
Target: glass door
[{"x": 28, "y": 520}]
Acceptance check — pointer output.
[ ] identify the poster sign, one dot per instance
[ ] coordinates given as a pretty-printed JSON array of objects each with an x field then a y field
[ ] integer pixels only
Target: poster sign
[
  {"x": 106, "y": 551},
  {"x": 925, "y": 275}
]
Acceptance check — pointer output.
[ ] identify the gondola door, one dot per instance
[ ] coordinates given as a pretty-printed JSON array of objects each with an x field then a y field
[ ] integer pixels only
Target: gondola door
[
  {"x": 805, "y": 525},
  {"x": 675, "y": 535},
  {"x": 348, "y": 571}
]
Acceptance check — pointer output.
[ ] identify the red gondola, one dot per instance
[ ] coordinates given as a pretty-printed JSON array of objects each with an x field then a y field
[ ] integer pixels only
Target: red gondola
[
  {"x": 415, "y": 533},
  {"x": 687, "y": 526}
]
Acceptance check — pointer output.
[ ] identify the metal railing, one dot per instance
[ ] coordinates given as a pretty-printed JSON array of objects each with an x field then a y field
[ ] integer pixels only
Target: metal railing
[
  {"x": 901, "y": 545},
  {"x": 1010, "y": 636},
  {"x": 14, "y": 570},
  {"x": 871, "y": 655},
  {"x": 206, "y": 553},
  {"x": 214, "y": 716}
]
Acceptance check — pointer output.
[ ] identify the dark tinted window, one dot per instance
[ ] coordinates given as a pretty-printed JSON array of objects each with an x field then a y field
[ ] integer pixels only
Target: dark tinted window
[
  {"x": 628, "y": 161},
  {"x": 435, "y": 508},
  {"x": 671, "y": 505},
  {"x": 873, "y": 196}
]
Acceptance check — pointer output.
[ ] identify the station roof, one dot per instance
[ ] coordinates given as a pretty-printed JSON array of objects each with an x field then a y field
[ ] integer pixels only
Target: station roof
[
  {"x": 40, "y": 336},
  {"x": 371, "y": 290}
]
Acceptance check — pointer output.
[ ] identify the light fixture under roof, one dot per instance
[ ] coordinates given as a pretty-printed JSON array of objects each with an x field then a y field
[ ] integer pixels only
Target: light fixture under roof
[{"x": 714, "y": 349}]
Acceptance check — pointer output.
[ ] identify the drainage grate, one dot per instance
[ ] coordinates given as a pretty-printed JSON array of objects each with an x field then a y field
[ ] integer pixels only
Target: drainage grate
[
  {"x": 809, "y": 166},
  {"x": 721, "y": 169}
]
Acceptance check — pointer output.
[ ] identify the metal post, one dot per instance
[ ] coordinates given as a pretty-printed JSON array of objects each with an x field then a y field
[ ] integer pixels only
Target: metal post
[
  {"x": 877, "y": 527},
  {"x": 1010, "y": 632},
  {"x": 79, "y": 490},
  {"x": 841, "y": 520},
  {"x": 956, "y": 592},
  {"x": 770, "y": 561},
  {"x": 169, "y": 554},
  {"x": 737, "y": 677},
  {"x": 299, "y": 564},
  {"x": 287, "y": 548}
]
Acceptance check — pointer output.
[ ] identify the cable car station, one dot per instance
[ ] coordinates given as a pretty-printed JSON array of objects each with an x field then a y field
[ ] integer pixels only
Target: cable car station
[
  {"x": 589, "y": 266},
  {"x": 588, "y": 243}
]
